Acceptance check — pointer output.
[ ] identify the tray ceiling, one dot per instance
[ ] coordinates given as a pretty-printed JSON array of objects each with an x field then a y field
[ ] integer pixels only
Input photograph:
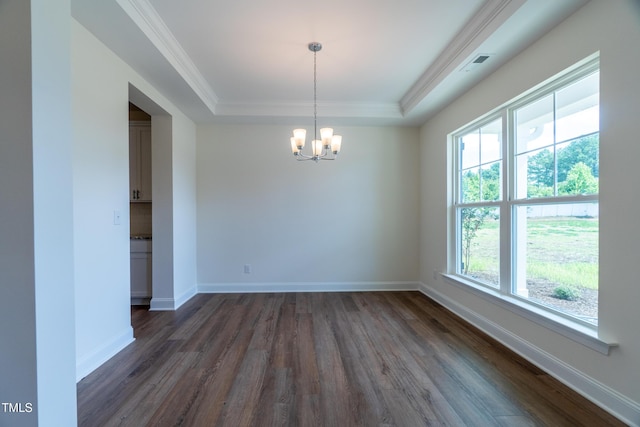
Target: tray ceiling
[{"x": 382, "y": 62}]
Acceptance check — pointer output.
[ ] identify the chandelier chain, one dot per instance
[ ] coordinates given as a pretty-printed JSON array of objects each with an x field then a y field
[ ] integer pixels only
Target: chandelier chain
[{"x": 315, "y": 98}]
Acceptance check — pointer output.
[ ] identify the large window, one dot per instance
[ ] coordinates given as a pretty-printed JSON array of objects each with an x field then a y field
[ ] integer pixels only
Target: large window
[{"x": 526, "y": 199}]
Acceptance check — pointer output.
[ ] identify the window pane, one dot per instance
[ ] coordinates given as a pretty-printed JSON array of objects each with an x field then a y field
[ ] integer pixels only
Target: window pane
[
  {"x": 491, "y": 181},
  {"x": 480, "y": 244},
  {"x": 578, "y": 166},
  {"x": 557, "y": 257},
  {"x": 470, "y": 185},
  {"x": 470, "y": 150},
  {"x": 535, "y": 173},
  {"x": 534, "y": 125},
  {"x": 577, "y": 109},
  {"x": 490, "y": 138}
]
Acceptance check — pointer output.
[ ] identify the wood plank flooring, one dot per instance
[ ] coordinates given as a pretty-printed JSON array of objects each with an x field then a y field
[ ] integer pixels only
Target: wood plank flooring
[{"x": 321, "y": 359}]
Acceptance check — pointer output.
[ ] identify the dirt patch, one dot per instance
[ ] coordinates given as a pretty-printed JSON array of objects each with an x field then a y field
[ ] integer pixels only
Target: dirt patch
[{"x": 584, "y": 307}]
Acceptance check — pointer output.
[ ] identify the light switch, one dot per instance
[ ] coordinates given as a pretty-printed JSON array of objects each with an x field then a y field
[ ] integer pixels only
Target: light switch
[{"x": 116, "y": 217}]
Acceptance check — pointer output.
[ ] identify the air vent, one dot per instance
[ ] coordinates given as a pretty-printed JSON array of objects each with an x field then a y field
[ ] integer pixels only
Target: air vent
[{"x": 476, "y": 62}]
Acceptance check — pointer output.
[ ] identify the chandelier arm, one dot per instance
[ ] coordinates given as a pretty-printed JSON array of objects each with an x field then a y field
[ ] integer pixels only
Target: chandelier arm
[
  {"x": 324, "y": 155},
  {"x": 327, "y": 155}
]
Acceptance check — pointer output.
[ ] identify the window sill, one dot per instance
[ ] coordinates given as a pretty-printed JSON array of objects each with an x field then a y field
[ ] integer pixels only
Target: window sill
[{"x": 575, "y": 331}]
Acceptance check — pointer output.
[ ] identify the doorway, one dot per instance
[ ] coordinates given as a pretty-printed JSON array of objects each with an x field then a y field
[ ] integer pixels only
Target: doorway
[
  {"x": 140, "y": 206},
  {"x": 162, "y": 204}
]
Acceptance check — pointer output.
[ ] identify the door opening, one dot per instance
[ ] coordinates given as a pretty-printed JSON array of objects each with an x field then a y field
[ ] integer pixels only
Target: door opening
[{"x": 140, "y": 206}]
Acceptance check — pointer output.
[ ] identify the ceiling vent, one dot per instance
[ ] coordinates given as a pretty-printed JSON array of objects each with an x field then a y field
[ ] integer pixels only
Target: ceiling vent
[{"x": 476, "y": 62}]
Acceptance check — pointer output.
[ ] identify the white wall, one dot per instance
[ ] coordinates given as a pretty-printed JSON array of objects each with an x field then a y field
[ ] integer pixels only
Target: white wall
[
  {"x": 100, "y": 176},
  {"x": 184, "y": 210},
  {"x": 301, "y": 225},
  {"x": 174, "y": 211},
  {"x": 17, "y": 276},
  {"x": 613, "y": 28},
  {"x": 162, "y": 178},
  {"x": 101, "y": 172},
  {"x": 53, "y": 208},
  {"x": 37, "y": 366}
]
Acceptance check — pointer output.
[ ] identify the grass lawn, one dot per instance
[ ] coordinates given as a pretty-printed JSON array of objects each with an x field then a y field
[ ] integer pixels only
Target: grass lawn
[{"x": 560, "y": 250}]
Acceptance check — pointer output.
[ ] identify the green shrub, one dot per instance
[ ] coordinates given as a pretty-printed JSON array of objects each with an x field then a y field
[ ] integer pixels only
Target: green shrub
[{"x": 568, "y": 293}]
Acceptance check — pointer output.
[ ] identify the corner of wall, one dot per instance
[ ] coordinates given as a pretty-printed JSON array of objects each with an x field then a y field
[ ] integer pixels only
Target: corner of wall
[{"x": 92, "y": 361}]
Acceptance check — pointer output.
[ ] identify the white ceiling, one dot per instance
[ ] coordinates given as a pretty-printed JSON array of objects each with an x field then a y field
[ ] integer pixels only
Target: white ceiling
[{"x": 382, "y": 62}]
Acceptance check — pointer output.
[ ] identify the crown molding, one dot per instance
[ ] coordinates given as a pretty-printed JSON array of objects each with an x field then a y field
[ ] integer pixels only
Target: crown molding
[
  {"x": 489, "y": 17},
  {"x": 151, "y": 24},
  {"x": 284, "y": 109}
]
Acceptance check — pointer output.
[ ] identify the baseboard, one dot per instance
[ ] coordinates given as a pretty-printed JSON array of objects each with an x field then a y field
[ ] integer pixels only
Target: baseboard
[
  {"x": 162, "y": 304},
  {"x": 140, "y": 301},
  {"x": 170, "y": 304},
  {"x": 615, "y": 403},
  {"x": 305, "y": 287},
  {"x": 91, "y": 362},
  {"x": 186, "y": 296}
]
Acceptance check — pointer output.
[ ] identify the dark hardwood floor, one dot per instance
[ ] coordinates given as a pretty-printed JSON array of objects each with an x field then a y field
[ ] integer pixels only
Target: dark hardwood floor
[{"x": 321, "y": 359}]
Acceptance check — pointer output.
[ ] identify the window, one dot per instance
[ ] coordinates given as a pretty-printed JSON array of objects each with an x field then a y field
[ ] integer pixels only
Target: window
[
  {"x": 526, "y": 198},
  {"x": 480, "y": 177}
]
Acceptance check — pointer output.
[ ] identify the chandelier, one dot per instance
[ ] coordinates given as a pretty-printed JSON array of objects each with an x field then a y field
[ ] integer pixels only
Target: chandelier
[{"x": 328, "y": 146}]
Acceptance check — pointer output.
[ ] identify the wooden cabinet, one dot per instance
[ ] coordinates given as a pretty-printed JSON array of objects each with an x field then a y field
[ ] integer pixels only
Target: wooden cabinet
[
  {"x": 141, "y": 272},
  {"x": 140, "y": 162}
]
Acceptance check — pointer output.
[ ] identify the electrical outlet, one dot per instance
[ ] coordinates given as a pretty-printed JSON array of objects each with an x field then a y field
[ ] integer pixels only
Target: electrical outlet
[
  {"x": 435, "y": 274},
  {"x": 247, "y": 269}
]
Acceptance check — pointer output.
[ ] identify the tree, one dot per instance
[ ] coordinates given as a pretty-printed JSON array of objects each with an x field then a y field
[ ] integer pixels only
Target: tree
[
  {"x": 579, "y": 180},
  {"x": 472, "y": 220},
  {"x": 477, "y": 187},
  {"x": 539, "y": 191},
  {"x": 540, "y": 169},
  {"x": 491, "y": 182},
  {"x": 582, "y": 150}
]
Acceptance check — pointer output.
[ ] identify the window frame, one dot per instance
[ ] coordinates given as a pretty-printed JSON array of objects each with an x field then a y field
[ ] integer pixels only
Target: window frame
[{"x": 507, "y": 206}]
